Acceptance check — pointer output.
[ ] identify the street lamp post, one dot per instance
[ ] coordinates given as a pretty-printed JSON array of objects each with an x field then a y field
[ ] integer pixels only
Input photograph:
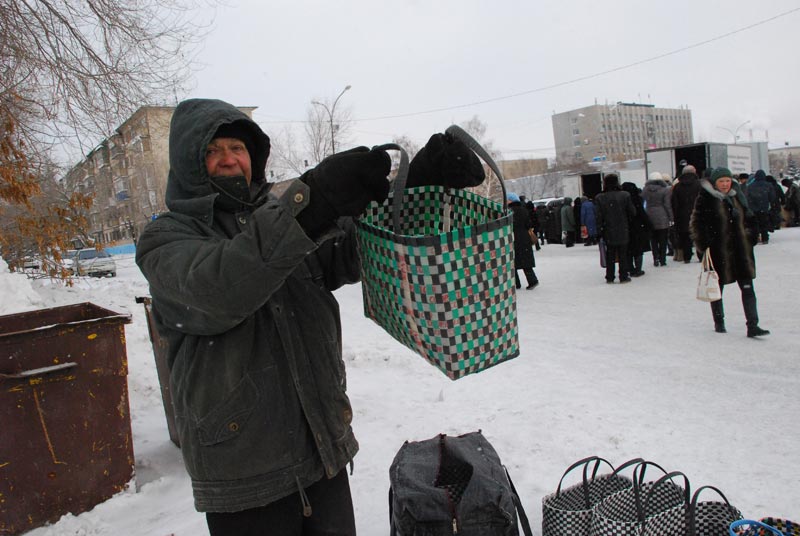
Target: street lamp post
[
  {"x": 331, "y": 112},
  {"x": 734, "y": 133}
]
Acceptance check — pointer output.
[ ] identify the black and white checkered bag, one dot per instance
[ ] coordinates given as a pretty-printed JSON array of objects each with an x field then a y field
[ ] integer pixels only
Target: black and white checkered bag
[
  {"x": 569, "y": 510},
  {"x": 711, "y": 518},
  {"x": 646, "y": 509}
]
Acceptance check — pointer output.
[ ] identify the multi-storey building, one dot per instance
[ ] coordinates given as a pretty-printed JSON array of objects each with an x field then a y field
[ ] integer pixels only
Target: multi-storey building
[
  {"x": 618, "y": 132},
  {"x": 127, "y": 173}
]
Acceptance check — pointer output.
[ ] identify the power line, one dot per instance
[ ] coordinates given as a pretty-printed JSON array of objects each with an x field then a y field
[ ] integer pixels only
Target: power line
[
  {"x": 590, "y": 76},
  {"x": 575, "y": 80}
]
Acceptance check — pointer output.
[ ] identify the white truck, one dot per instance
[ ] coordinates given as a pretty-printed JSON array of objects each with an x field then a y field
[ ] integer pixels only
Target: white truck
[{"x": 737, "y": 158}]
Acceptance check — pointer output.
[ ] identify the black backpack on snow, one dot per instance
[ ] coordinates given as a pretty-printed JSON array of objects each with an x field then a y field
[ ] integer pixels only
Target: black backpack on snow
[{"x": 452, "y": 485}]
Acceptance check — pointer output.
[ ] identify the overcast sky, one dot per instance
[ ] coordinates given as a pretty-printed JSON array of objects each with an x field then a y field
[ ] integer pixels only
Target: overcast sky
[{"x": 416, "y": 66}]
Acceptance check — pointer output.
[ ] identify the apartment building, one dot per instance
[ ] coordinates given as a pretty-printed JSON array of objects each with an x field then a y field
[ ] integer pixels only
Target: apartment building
[{"x": 618, "y": 132}]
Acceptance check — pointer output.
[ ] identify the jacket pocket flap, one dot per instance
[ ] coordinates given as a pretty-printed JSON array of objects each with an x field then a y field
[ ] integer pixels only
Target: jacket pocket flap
[{"x": 228, "y": 419}]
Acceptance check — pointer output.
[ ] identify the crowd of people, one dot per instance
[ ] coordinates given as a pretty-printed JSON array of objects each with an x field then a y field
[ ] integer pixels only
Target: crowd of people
[{"x": 719, "y": 212}]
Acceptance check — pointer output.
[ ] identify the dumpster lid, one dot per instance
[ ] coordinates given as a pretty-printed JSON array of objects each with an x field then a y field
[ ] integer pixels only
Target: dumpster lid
[{"x": 55, "y": 317}]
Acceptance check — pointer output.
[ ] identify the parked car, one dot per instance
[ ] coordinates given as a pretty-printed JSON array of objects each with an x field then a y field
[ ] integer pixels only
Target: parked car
[
  {"x": 68, "y": 260},
  {"x": 31, "y": 263},
  {"x": 97, "y": 263}
]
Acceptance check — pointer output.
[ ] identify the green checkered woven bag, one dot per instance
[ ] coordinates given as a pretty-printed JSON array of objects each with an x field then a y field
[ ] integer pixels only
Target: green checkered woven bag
[{"x": 437, "y": 270}]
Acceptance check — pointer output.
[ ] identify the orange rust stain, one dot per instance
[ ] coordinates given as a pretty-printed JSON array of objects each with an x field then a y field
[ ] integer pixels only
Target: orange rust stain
[{"x": 44, "y": 429}]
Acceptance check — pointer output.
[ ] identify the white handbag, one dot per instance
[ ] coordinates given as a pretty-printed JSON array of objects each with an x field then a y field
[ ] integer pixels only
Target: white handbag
[{"x": 708, "y": 281}]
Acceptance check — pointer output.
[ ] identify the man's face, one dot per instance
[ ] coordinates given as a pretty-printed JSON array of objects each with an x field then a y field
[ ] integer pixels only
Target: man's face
[{"x": 228, "y": 157}]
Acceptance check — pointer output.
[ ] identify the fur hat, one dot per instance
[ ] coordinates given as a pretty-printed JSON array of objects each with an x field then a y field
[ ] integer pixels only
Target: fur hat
[
  {"x": 655, "y": 176},
  {"x": 239, "y": 130},
  {"x": 719, "y": 173}
]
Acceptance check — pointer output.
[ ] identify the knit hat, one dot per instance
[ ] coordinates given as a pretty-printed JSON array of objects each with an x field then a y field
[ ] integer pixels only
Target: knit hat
[
  {"x": 512, "y": 197},
  {"x": 239, "y": 130},
  {"x": 720, "y": 172}
]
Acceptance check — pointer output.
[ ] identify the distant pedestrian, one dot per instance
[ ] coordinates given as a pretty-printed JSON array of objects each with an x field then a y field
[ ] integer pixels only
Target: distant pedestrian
[
  {"x": 568, "y": 222},
  {"x": 640, "y": 229},
  {"x": 656, "y": 195},
  {"x": 523, "y": 245},
  {"x": 683, "y": 196},
  {"x": 589, "y": 219},
  {"x": 776, "y": 204},
  {"x": 792, "y": 203},
  {"x": 614, "y": 213},
  {"x": 717, "y": 225},
  {"x": 760, "y": 197}
]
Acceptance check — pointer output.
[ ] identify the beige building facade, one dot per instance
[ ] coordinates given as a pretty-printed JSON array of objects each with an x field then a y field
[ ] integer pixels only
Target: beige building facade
[
  {"x": 618, "y": 132},
  {"x": 127, "y": 173}
]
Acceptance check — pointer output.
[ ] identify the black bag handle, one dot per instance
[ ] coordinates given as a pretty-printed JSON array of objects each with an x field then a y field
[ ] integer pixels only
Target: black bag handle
[
  {"x": 523, "y": 518},
  {"x": 585, "y": 462},
  {"x": 616, "y": 471},
  {"x": 669, "y": 476},
  {"x": 638, "y": 483},
  {"x": 692, "y": 521},
  {"x": 462, "y": 135},
  {"x": 402, "y": 173},
  {"x": 399, "y": 181}
]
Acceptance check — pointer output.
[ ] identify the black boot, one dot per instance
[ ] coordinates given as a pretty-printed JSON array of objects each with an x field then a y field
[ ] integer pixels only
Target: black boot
[
  {"x": 719, "y": 316},
  {"x": 751, "y": 311},
  {"x": 756, "y": 331},
  {"x": 530, "y": 275}
]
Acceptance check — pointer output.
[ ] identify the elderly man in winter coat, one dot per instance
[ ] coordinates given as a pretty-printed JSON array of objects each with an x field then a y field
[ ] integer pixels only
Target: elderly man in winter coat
[
  {"x": 614, "y": 214},
  {"x": 657, "y": 197},
  {"x": 241, "y": 278},
  {"x": 761, "y": 197},
  {"x": 683, "y": 196}
]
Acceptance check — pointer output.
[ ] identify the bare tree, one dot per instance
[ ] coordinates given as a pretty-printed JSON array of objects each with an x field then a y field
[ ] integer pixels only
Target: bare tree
[
  {"x": 477, "y": 129},
  {"x": 318, "y": 133},
  {"x": 72, "y": 69}
]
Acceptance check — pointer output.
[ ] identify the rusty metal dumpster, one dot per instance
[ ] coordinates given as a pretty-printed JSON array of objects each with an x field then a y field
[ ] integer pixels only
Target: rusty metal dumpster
[
  {"x": 162, "y": 369},
  {"x": 65, "y": 430}
]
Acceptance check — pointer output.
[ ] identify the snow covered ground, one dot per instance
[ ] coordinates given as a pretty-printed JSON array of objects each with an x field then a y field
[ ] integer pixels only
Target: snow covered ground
[{"x": 620, "y": 371}]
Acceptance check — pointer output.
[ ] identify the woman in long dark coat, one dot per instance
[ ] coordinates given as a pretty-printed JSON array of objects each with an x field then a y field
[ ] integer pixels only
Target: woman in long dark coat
[
  {"x": 640, "y": 230},
  {"x": 717, "y": 225},
  {"x": 523, "y": 246}
]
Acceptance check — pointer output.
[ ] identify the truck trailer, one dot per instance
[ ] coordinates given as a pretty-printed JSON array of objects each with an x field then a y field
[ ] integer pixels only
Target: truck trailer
[{"x": 737, "y": 158}]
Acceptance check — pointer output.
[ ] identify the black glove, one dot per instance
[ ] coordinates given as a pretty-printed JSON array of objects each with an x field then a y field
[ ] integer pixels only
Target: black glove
[
  {"x": 445, "y": 161},
  {"x": 343, "y": 185}
]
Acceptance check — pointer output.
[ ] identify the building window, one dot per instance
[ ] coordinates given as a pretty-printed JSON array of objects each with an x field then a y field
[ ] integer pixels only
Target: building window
[{"x": 575, "y": 131}]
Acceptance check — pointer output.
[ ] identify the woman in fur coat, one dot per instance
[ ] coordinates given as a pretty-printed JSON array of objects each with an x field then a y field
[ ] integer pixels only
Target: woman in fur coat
[{"x": 717, "y": 226}]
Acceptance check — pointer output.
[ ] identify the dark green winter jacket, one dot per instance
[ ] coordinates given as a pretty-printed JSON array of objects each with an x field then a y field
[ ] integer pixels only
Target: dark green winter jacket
[{"x": 244, "y": 299}]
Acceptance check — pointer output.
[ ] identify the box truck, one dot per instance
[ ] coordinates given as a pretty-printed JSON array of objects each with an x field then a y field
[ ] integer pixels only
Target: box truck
[{"x": 737, "y": 158}]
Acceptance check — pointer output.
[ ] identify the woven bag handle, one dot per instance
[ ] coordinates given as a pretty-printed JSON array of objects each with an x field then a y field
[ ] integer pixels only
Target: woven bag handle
[
  {"x": 634, "y": 461},
  {"x": 691, "y": 530},
  {"x": 642, "y": 509},
  {"x": 753, "y": 524},
  {"x": 462, "y": 135},
  {"x": 399, "y": 181},
  {"x": 585, "y": 463}
]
